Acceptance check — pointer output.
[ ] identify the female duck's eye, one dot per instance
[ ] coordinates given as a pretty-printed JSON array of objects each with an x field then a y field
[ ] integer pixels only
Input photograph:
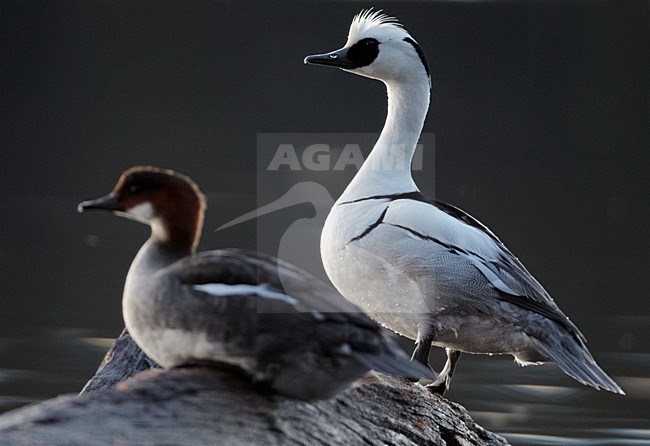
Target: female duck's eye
[{"x": 135, "y": 188}]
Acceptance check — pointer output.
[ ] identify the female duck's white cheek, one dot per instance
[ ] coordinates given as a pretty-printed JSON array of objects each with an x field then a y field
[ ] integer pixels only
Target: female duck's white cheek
[{"x": 143, "y": 211}]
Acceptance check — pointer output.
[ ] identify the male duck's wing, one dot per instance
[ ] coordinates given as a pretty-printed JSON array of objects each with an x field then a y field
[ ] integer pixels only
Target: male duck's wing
[{"x": 448, "y": 226}]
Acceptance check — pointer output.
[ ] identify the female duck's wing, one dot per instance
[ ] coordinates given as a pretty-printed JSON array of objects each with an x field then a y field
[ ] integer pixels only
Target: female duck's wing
[
  {"x": 281, "y": 286},
  {"x": 280, "y": 308}
]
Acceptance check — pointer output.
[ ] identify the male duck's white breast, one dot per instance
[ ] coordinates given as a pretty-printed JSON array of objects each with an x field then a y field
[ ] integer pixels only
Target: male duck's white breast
[{"x": 365, "y": 269}]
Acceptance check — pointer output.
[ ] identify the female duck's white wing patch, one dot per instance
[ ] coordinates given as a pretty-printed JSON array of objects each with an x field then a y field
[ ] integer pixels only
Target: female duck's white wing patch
[
  {"x": 262, "y": 290},
  {"x": 227, "y": 290}
]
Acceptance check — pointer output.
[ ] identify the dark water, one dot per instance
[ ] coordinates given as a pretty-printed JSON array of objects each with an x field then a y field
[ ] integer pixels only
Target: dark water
[
  {"x": 538, "y": 127},
  {"x": 41, "y": 364}
]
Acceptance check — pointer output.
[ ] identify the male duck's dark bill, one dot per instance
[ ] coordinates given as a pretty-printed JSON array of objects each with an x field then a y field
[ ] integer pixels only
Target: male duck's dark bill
[{"x": 338, "y": 58}]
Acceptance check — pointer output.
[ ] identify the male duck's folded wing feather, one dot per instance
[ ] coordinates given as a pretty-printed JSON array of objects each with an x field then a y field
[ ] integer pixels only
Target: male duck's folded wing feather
[{"x": 462, "y": 234}]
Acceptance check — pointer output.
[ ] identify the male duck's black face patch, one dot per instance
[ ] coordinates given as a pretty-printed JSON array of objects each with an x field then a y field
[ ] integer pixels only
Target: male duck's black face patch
[{"x": 363, "y": 53}]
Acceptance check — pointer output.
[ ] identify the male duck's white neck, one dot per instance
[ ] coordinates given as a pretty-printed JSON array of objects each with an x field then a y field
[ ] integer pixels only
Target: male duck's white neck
[{"x": 388, "y": 167}]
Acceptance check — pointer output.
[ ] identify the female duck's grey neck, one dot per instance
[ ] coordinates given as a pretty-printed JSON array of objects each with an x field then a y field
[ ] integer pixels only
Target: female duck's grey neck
[
  {"x": 153, "y": 256},
  {"x": 388, "y": 167}
]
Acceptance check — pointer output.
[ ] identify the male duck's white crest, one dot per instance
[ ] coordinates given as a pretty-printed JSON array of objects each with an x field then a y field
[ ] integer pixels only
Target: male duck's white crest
[{"x": 377, "y": 21}]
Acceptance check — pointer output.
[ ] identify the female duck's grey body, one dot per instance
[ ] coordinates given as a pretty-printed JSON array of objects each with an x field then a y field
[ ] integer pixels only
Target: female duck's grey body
[
  {"x": 423, "y": 268},
  {"x": 232, "y": 306}
]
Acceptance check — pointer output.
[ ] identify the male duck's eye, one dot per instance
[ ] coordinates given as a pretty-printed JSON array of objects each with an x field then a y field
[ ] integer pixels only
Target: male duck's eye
[{"x": 135, "y": 188}]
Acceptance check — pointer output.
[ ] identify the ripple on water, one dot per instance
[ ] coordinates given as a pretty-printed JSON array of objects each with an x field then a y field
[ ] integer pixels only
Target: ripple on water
[
  {"x": 540, "y": 405},
  {"x": 39, "y": 364}
]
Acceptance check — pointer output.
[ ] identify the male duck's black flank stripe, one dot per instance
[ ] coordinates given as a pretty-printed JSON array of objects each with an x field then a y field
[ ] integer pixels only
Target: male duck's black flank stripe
[
  {"x": 390, "y": 197},
  {"x": 453, "y": 249},
  {"x": 444, "y": 207},
  {"x": 371, "y": 227},
  {"x": 520, "y": 301}
]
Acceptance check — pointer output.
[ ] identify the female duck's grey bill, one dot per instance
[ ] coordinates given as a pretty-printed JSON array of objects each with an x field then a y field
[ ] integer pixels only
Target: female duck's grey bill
[
  {"x": 105, "y": 203},
  {"x": 338, "y": 58}
]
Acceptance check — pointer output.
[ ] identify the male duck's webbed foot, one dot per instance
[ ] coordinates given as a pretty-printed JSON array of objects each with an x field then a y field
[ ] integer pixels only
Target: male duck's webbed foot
[{"x": 442, "y": 383}]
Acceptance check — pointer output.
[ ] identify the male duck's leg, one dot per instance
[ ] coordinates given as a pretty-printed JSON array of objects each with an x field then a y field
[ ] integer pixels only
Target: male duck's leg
[{"x": 442, "y": 383}]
